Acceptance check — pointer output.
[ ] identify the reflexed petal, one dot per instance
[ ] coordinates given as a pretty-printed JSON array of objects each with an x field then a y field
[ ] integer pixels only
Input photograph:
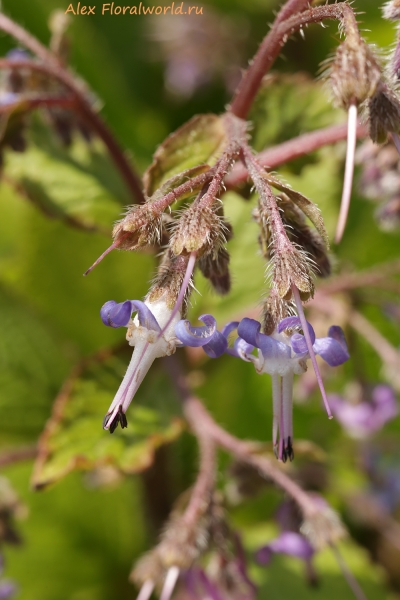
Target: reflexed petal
[
  {"x": 249, "y": 330},
  {"x": 298, "y": 343},
  {"x": 297, "y": 340},
  {"x": 337, "y": 334},
  {"x": 290, "y": 543},
  {"x": 196, "y": 336},
  {"x": 241, "y": 349},
  {"x": 229, "y": 327},
  {"x": 116, "y": 315},
  {"x": 216, "y": 346},
  {"x": 146, "y": 317},
  {"x": 291, "y": 322},
  {"x": 331, "y": 351}
]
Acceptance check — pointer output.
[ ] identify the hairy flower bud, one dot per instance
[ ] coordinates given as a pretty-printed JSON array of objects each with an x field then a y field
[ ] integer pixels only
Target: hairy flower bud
[
  {"x": 384, "y": 114},
  {"x": 216, "y": 270},
  {"x": 140, "y": 227},
  {"x": 200, "y": 229},
  {"x": 391, "y": 10},
  {"x": 354, "y": 73},
  {"x": 168, "y": 281},
  {"x": 309, "y": 240},
  {"x": 290, "y": 267},
  {"x": 274, "y": 310}
]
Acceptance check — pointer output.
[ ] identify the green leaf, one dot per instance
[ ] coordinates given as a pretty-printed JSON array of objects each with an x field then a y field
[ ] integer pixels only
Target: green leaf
[
  {"x": 74, "y": 437},
  {"x": 32, "y": 365},
  {"x": 288, "y": 105},
  {"x": 197, "y": 142},
  {"x": 77, "y": 184}
]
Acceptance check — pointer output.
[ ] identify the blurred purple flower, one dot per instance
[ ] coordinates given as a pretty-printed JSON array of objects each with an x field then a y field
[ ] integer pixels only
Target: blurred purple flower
[
  {"x": 367, "y": 417},
  {"x": 7, "y": 587},
  {"x": 289, "y": 543}
]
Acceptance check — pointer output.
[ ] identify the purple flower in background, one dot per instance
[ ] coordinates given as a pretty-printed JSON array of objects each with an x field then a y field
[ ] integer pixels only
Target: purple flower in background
[
  {"x": 282, "y": 355},
  {"x": 369, "y": 416},
  {"x": 288, "y": 542},
  {"x": 7, "y": 587}
]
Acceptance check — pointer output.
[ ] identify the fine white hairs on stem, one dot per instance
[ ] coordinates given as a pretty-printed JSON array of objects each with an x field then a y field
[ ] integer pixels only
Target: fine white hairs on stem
[
  {"x": 146, "y": 590},
  {"x": 169, "y": 583},
  {"x": 348, "y": 172},
  {"x": 306, "y": 333}
]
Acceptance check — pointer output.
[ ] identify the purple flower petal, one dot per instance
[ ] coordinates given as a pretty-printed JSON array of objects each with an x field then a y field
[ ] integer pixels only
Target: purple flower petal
[
  {"x": 331, "y": 351},
  {"x": 229, "y": 327},
  {"x": 337, "y": 334},
  {"x": 196, "y": 336},
  {"x": 241, "y": 349},
  {"x": 116, "y": 315},
  {"x": 290, "y": 543},
  {"x": 7, "y": 590},
  {"x": 385, "y": 402},
  {"x": 17, "y": 54},
  {"x": 146, "y": 317},
  {"x": 298, "y": 341},
  {"x": 216, "y": 346},
  {"x": 249, "y": 330},
  {"x": 119, "y": 315}
]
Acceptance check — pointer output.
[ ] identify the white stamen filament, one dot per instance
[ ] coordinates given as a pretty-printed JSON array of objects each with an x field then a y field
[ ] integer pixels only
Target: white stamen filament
[
  {"x": 169, "y": 583},
  {"x": 348, "y": 172},
  {"x": 310, "y": 348},
  {"x": 146, "y": 590}
]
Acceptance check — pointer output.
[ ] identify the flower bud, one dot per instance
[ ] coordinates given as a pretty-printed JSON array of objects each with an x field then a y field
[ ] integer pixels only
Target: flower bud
[
  {"x": 140, "y": 227},
  {"x": 168, "y": 281},
  {"x": 391, "y": 10},
  {"x": 216, "y": 270},
  {"x": 274, "y": 310},
  {"x": 200, "y": 229},
  {"x": 290, "y": 267},
  {"x": 384, "y": 114},
  {"x": 354, "y": 73}
]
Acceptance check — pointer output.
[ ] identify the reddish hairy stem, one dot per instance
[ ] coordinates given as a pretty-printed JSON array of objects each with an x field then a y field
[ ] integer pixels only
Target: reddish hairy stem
[
  {"x": 292, "y": 149},
  {"x": 204, "y": 426},
  {"x": 46, "y": 101},
  {"x": 272, "y": 45},
  {"x": 54, "y": 68}
]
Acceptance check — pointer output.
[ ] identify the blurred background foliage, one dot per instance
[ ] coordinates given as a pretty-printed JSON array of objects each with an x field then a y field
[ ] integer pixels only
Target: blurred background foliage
[{"x": 81, "y": 535}]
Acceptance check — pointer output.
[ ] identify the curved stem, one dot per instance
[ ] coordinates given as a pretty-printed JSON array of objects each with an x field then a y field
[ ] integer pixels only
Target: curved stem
[
  {"x": 272, "y": 45},
  {"x": 348, "y": 172},
  {"x": 292, "y": 149},
  {"x": 53, "y": 68}
]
